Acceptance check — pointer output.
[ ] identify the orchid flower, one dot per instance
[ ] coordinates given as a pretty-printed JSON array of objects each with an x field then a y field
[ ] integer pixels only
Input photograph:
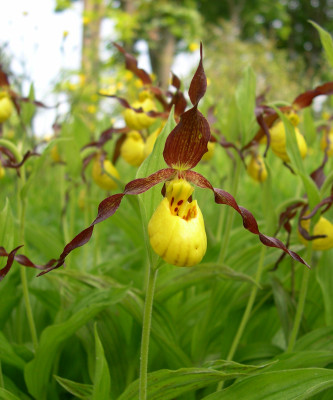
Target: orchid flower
[{"x": 176, "y": 228}]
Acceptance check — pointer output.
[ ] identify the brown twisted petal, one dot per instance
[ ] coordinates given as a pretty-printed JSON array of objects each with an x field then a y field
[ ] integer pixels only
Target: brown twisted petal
[
  {"x": 249, "y": 222},
  {"x": 126, "y": 104},
  {"x": 132, "y": 65},
  {"x": 105, "y": 210},
  {"x": 187, "y": 142},
  {"x": 10, "y": 260},
  {"x": 305, "y": 99}
]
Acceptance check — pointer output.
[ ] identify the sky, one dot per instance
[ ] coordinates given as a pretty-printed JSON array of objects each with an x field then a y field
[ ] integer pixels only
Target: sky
[{"x": 34, "y": 35}]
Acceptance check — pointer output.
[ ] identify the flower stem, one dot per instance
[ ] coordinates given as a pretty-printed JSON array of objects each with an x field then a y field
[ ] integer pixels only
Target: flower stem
[
  {"x": 301, "y": 304},
  {"x": 249, "y": 306},
  {"x": 146, "y": 333},
  {"x": 247, "y": 312},
  {"x": 23, "y": 271}
]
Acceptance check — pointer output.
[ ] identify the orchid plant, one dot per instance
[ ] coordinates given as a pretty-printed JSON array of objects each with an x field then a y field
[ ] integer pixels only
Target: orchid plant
[
  {"x": 176, "y": 229},
  {"x": 185, "y": 146}
]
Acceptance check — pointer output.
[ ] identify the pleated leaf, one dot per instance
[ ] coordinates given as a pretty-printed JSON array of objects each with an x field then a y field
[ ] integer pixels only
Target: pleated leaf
[
  {"x": 102, "y": 382},
  {"x": 297, "y": 384},
  {"x": 167, "y": 384},
  {"x": 79, "y": 390},
  {"x": 38, "y": 371},
  {"x": 326, "y": 41}
]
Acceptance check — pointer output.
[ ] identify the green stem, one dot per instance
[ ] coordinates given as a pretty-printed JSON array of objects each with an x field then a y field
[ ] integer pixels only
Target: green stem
[
  {"x": 301, "y": 303},
  {"x": 146, "y": 333},
  {"x": 247, "y": 312},
  {"x": 249, "y": 306},
  {"x": 230, "y": 214},
  {"x": 23, "y": 271}
]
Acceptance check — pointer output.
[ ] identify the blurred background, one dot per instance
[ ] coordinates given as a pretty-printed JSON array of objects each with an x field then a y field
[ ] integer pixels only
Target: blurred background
[{"x": 61, "y": 52}]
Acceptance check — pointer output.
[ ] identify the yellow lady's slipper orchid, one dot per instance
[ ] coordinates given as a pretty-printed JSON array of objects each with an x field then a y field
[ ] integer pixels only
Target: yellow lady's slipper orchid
[
  {"x": 136, "y": 120},
  {"x": 132, "y": 150},
  {"x": 257, "y": 169},
  {"x": 176, "y": 229},
  {"x": 278, "y": 138},
  {"x": 102, "y": 178},
  {"x": 327, "y": 143},
  {"x": 210, "y": 153},
  {"x": 6, "y": 107},
  {"x": 322, "y": 227}
]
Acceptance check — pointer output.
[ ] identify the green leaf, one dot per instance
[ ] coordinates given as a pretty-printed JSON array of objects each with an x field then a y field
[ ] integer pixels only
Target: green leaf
[
  {"x": 102, "y": 382},
  {"x": 180, "y": 279},
  {"x": 79, "y": 390},
  {"x": 5, "y": 395},
  {"x": 325, "y": 278},
  {"x": 294, "y": 384},
  {"x": 38, "y": 371},
  {"x": 302, "y": 359},
  {"x": 70, "y": 151},
  {"x": 318, "y": 339},
  {"x": 308, "y": 126},
  {"x": 311, "y": 190},
  {"x": 166, "y": 384},
  {"x": 326, "y": 41},
  {"x": 8, "y": 355},
  {"x": 246, "y": 100},
  {"x": 6, "y": 230},
  {"x": 284, "y": 306},
  {"x": 28, "y": 109}
]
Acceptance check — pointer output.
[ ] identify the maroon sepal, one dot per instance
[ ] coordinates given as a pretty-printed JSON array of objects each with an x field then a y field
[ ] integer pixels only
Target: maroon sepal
[
  {"x": 132, "y": 65},
  {"x": 21, "y": 259},
  {"x": 249, "y": 222},
  {"x": 199, "y": 83},
  {"x": 4, "y": 271},
  {"x": 227, "y": 145},
  {"x": 175, "y": 81},
  {"x": 105, "y": 136},
  {"x": 178, "y": 100},
  {"x": 8, "y": 154},
  {"x": 16, "y": 165},
  {"x": 117, "y": 148},
  {"x": 141, "y": 185},
  {"x": 187, "y": 142},
  {"x": 126, "y": 104},
  {"x": 266, "y": 117},
  {"x": 328, "y": 201},
  {"x": 305, "y": 99},
  {"x": 287, "y": 215},
  {"x": 318, "y": 175},
  {"x": 302, "y": 216}
]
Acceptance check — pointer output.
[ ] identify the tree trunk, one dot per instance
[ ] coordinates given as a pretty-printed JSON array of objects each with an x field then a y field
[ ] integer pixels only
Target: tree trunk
[
  {"x": 90, "y": 61},
  {"x": 161, "y": 57}
]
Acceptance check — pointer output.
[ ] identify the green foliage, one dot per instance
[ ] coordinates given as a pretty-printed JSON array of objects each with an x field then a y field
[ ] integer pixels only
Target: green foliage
[{"x": 89, "y": 314}]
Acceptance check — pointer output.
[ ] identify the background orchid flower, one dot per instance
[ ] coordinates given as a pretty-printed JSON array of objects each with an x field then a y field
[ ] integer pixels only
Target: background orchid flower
[{"x": 184, "y": 148}]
